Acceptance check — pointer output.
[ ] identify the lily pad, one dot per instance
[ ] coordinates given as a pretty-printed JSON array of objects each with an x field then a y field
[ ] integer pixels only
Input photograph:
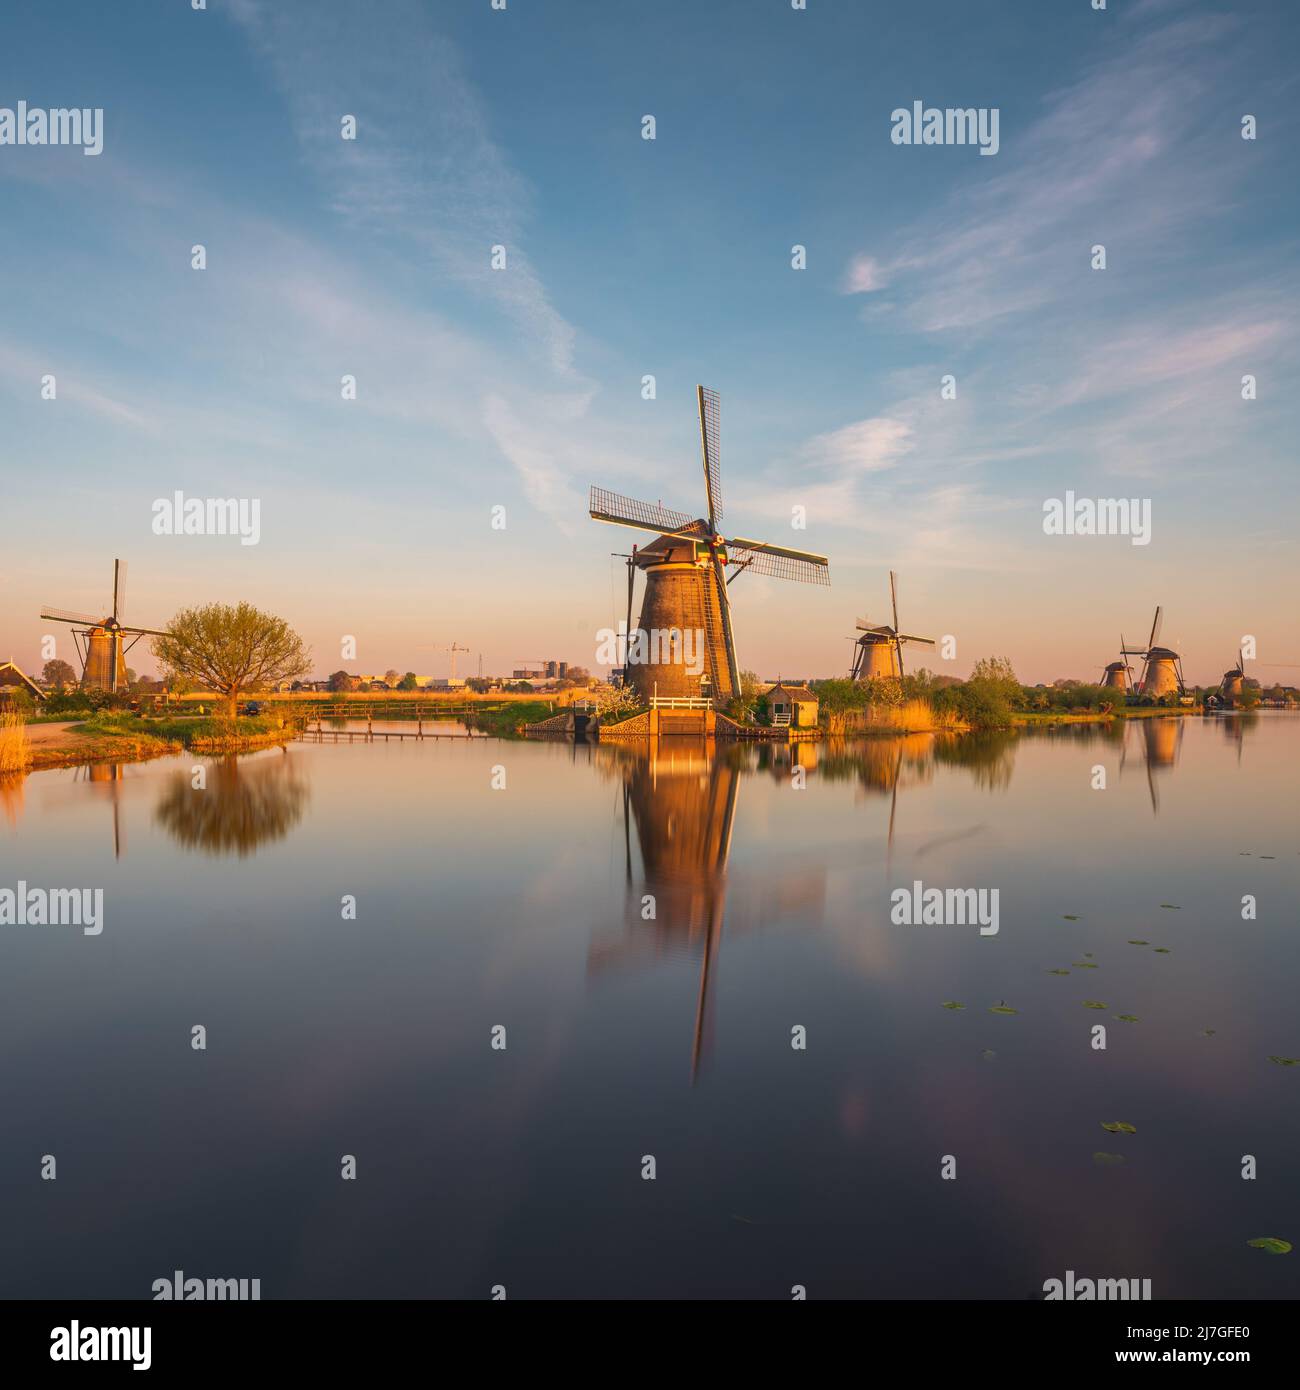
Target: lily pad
[
  {"x": 987, "y": 1055},
  {"x": 1118, "y": 1127},
  {"x": 1070, "y": 917},
  {"x": 1162, "y": 950},
  {"x": 1208, "y": 1032},
  {"x": 1085, "y": 965},
  {"x": 1058, "y": 972},
  {"x": 951, "y": 1004},
  {"x": 1106, "y": 1160},
  {"x": 1268, "y": 856},
  {"x": 1002, "y": 1009},
  {"x": 1272, "y": 1244},
  {"x": 1093, "y": 1004},
  {"x": 1127, "y": 1018},
  {"x": 1286, "y": 1061},
  {"x": 1174, "y": 906},
  {"x": 1139, "y": 943}
]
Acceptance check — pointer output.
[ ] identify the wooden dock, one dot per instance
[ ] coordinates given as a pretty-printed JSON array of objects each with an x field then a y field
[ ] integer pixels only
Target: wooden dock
[{"x": 370, "y": 735}]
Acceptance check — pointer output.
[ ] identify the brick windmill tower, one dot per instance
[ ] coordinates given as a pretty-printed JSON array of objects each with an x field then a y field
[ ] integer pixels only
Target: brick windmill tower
[
  {"x": 879, "y": 650},
  {"x": 686, "y": 583},
  {"x": 102, "y": 643}
]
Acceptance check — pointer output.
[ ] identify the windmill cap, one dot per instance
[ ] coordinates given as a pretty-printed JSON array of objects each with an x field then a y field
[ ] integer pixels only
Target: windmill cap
[{"x": 1156, "y": 653}]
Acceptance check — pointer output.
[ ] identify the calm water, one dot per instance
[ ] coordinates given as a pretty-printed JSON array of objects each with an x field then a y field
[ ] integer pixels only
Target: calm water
[{"x": 522, "y": 907}]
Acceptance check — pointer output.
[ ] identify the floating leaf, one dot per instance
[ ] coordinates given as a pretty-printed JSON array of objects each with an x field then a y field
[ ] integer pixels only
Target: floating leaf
[
  {"x": 1175, "y": 906},
  {"x": 987, "y": 1055},
  {"x": 1058, "y": 972},
  {"x": 1268, "y": 856},
  {"x": 1272, "y": 1244},
  {"x": 1093, "y": 1004},
  {"x": 951, "y": 1004},
  {"x": 1085, "y": 965},
  {"x": 1109, "y": 1160},
  {"x": 1286, "y": 1061},
  {"x": 1001, "y": 1009},
  {"x": 1139, "y": 943},
  {"x": 1070, "y": 917},
  {"x": 1119, "y": 1127},
  {"x": 1127, "y": 1018},
  {"x": 1208, "y": 1032},
  {"x": 1161, "y": 950}
]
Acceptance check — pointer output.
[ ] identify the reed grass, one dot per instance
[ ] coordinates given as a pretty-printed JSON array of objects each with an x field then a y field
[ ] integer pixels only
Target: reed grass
[
  {"x": 15, "y": 751},
  {"x": 910, "y": 717}
]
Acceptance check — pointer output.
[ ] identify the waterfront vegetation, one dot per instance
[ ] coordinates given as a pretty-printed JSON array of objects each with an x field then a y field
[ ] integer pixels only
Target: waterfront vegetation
[
  {"x": 15, "y": 753},
  {"x": 991, "y": 699}
]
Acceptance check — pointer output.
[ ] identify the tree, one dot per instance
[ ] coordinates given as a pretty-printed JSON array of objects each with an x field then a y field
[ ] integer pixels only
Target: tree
[
  {"x": 341, "y": 681},
  {"x": 407, "y": 682},
  {"x": 392, "y": 675},
  {"x": 227, "y": 649},
  {"x": 58, "y": 674}
]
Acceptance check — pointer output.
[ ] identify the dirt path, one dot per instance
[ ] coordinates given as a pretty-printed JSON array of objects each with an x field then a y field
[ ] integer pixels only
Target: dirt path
[{"x": 38, "y": 734}]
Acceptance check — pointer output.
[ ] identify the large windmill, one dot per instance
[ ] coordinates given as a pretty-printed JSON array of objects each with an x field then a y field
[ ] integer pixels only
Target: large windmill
[
  {"x": 1162, "y": 669},
  {"x": 686, "y": 588},
  {"x": 879, "y": 651},
  {"x": 102, "y": 643}
]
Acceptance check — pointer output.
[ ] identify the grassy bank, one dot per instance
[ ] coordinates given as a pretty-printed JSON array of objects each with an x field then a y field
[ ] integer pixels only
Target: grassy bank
[
  {"x": 205, "y": 734},
  {"x": 122, "y": 737},
  {"x": 506, "y": 723}
]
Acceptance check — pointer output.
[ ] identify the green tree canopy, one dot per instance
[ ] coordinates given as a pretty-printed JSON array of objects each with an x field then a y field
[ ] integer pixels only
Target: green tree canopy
[
  {"x": 228, "y": 649},
  {"x": 58, "y": 674}
]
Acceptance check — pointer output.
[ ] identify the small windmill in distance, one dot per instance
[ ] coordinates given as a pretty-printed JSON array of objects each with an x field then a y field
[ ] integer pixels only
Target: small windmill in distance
[
  {"x": 102, "y": 643},
  {"x": 879, "y": 651}
]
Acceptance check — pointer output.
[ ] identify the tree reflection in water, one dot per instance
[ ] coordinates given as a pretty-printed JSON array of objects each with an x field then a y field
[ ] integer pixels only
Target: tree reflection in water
[{"x": 247, "y": 802}]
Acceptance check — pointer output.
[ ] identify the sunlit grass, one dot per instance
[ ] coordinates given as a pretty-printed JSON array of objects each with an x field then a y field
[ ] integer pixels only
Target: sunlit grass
[{"x": 15, "y": 751}]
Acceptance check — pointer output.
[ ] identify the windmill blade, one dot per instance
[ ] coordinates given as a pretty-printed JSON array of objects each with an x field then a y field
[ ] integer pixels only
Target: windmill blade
[
  {"x": 1155, "y": 628},
  {"x": 866, "y": 625},
  {"x": 909, "y": 637},
  {"x": 780, "y": 564},
  {"x": 119, "y": 589},
  {"x": 711, "y": 443},
  {"x": 159, "y": 632},
  {"x": 64, "y": 615},
  {"x": 893, "y": 596},
  {"x": 649, "y": 516}
]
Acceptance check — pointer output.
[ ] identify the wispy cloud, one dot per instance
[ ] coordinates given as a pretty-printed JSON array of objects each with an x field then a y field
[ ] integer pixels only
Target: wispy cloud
[{"x": 423, "y": 168}]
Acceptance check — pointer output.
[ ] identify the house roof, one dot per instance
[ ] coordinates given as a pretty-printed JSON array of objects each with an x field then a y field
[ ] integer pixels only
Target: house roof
[
  {"x": 796, "y": 694},
  {"x": 11, "y": 675}
]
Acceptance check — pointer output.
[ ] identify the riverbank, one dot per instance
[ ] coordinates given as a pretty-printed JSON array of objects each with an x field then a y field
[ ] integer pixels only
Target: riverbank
[{"x": 119, "y": 737}]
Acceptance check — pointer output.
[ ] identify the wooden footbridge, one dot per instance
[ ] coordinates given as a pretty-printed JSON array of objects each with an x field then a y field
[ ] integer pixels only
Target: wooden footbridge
[{"x": 426, "y": 717}]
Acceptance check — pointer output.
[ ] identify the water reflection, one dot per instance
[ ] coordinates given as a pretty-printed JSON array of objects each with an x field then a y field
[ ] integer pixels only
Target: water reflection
[
  {"x": 246, "y": 803},
  {"x": 107, "y": 779}
]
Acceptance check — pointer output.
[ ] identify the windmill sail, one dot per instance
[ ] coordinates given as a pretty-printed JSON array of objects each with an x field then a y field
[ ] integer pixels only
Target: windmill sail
[{"x": 711, "y": 441}]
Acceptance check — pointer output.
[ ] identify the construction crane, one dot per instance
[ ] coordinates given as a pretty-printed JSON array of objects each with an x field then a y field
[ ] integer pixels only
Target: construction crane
[{"x": 453, "y": 649}]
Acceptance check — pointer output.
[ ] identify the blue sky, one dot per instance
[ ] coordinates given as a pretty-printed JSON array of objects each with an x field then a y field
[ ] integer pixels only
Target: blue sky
[{"x": 629, "y": 257}]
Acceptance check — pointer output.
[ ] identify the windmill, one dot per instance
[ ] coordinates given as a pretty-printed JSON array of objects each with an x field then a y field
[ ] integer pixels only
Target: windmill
[
  {"x": 1119, "y": 674},
  {"x": 1162, "y": 670},
  {"x": 102, "y": 643},
  {"x": 879, "y": 651},
  {"x": 1234, "y": 680},
  {"x": 685, "y": 589}
]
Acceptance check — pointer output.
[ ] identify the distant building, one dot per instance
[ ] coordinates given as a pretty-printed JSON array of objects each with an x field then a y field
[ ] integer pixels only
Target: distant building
[
  {"x": 12, "y": 680},
  {"x": 446, "y": 683}
]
